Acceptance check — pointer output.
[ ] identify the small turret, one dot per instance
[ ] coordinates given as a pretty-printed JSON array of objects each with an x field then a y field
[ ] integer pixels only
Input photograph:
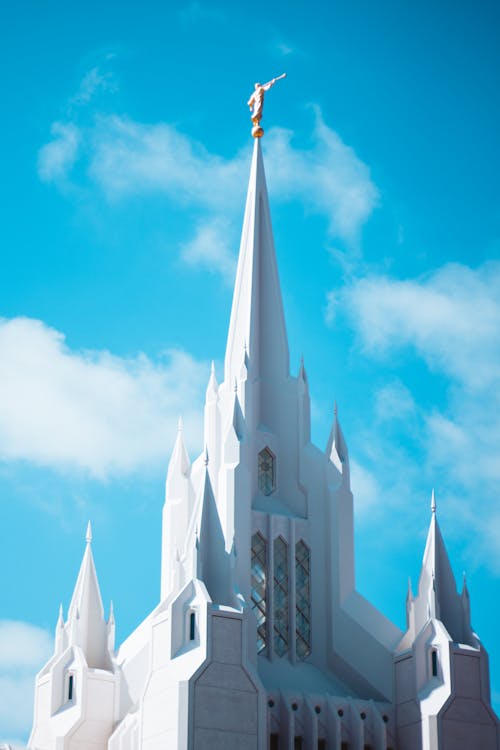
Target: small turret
[
  {"x": 176, "y": 510},
  {"x": 437, "y": 597},
  {"x": 87, "y": 627},
  {"x": 337, "y": 448}
]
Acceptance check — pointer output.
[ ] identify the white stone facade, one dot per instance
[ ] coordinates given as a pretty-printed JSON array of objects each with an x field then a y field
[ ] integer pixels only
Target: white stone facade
[{"x": 260, "y": 639}]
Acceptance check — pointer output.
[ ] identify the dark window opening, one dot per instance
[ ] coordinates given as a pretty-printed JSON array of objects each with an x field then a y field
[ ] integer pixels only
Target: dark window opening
[
  {"x": 71, "y": 682},
  {"x": 321, "y": 744},
  {"x": 192, "y": 626},
  {"x": 297, "y": 743},
  {"x": 344, "y": 746},
  {"x": 434, "y": 657},
  {"x": 274, "y": 742}
]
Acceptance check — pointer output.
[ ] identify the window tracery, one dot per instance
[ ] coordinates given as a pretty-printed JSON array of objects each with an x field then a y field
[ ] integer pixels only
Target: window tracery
[
  {"x": 267, "y": 472},
  {"x": 302, "y": 600},
  {"x": 280, "y": 596},
  {"x": 258, "y": 586}
]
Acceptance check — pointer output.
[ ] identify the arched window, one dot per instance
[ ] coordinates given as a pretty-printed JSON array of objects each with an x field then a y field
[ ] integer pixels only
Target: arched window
[
  {"x": 434, "y": 662},
  {"x": 71, "y": 686},
  {"x": 267, "y": 472},
  {"x": 259, "y": 584},
  {"x": 302, "y": 600},
  {"x": 192, "y": 626},
  {"x": 280, "y": 596}
]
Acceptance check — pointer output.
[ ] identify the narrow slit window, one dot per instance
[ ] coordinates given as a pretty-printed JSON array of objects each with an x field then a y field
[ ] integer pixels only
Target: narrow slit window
[
  {"x": 192, "y": 626},
  {"x": 434, "y": 662},
  {"x": 274, "y": 742},
  {"x": 298, "y": 743},
  {"x": 71, "y": 687},
  {"x": 267, "y": 472},
  {"x": 302, "y": 600},
  {"x": 258, "y": 586},
  {"x": 280, "y": 596}
]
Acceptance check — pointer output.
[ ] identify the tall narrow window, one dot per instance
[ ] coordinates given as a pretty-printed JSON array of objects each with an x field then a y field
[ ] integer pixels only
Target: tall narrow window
[
  {"x": 267, "y": 472},
  {"x": 274, "y": 742},
  {"x": 71, "y": 684},
  {"x": 192, "y": 626},
  {"x": 434, "y": 662},
  {"x": 259, "y": 582},
  {"x": 280, "y": 596},
  {"x": 302, "y": 600}
]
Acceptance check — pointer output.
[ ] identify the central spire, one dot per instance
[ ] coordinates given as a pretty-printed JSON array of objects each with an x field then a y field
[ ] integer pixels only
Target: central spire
[{"x": 257, "y": 320}]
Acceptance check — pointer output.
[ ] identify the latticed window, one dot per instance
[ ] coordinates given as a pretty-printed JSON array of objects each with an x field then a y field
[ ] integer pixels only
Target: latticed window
[
  {"x": 280, "y": 596},
  {"x": 302, "y": 600},
  {"x": 267, "y": 472},
  {"x": 259, "y": 581}
]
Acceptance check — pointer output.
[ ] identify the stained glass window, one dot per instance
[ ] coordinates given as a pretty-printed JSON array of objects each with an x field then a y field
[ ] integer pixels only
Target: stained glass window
[
  {"x": 259, "y": 582},
  {"x": 302, "y": 600},
  {"x": 280, "y": 596},
  {"x": 267, "y": 472}
]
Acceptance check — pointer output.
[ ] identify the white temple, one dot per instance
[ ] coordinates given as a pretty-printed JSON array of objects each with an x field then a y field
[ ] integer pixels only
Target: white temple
[{"x": 260, "y": 639}]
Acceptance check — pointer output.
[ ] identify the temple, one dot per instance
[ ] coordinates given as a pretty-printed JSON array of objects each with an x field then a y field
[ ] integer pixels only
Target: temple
[{"x": 260, "y": 639}]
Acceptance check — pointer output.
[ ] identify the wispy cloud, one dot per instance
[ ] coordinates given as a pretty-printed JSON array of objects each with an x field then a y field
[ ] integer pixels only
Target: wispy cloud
[
  {"x": 87, "y": 410},
  {"x": 211, "y": 249},
  {"x": 196, "y": 12},
  {"x": 95, "y": 80},
  {"x": 57, "y": 157},
  {"x": 24, "y": 648},
  {"x": 124, "y": 158},
  {"x": 450, "y": 319}
]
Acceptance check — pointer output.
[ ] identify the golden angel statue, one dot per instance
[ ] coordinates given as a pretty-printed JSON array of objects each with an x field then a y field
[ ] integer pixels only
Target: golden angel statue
[{"x": 256, "y": 104}]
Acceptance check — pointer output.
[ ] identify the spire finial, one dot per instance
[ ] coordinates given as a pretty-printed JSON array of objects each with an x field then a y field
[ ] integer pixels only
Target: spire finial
[
  {"x": 235, "y": 386},
  {"x": 256, "y": 104},
  {"x": 212, "y": 368},
  {"x": 180, "y": 425},
  {"x": 433, "y": 502},
  {"x": 88, "y": 535},
  {"x": 205, "y": 456}
]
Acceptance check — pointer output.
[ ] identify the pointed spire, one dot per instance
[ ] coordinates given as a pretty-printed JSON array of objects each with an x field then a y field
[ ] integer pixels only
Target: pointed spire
[
  {"x": 87, "y": 625},
  {"x": 409, "y": 595},
  {"x": 213, "y": 386},
  {"x": 111, "y": 618},
  {"x": 337, "y": 447},
  {"x": 257, "y": 319},
  {"x": 437, "y": 592},
  {"x": 302, "y": 370},
  {"x": 212, "y": 562},
  {"x": 179, "y": 464}
]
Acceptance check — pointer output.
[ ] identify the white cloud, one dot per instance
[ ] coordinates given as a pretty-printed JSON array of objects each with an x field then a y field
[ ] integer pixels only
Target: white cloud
[
  {"x": 88, "y": 410},
  {"x": 364, "y": 486},
  {"x": 451, "y": 319},
  {"x": 329, "y": 178},
  {"x": 92, "y": 82},
  {"x": 210, "y": 248},
  {"x": 127, "y": 158},
  {"x": 197, "y": 12},
  {"x": 56, "y": 158},
  {"x": 394, "y": 401},
  {"x": 24, "y": 648}
]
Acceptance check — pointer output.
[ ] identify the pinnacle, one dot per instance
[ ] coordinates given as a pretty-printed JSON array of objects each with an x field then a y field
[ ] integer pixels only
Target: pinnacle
[
  {"x": 433, "y": 502},
  {"x": 88, "y": 535}
]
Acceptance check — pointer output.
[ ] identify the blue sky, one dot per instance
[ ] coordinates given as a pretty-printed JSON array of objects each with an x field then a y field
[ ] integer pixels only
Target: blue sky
[{"x": 125, "y": 154}]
